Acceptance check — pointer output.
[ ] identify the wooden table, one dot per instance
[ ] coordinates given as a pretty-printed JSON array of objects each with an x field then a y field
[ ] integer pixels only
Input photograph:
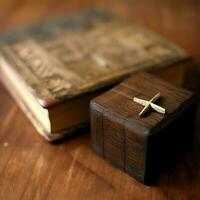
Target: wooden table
[{"x": 31, "y": 168}]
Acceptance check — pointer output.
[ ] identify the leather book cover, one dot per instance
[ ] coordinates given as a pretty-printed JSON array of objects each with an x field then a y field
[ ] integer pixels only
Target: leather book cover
[
  {"x": 71, "y": 56},
  {"x": 65, "y": 57}
]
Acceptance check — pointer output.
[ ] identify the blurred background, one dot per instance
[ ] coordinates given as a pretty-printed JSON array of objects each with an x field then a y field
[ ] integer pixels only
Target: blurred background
[
  {"x": 177, "y": 20},
  {"x": 29, "y": 166}
]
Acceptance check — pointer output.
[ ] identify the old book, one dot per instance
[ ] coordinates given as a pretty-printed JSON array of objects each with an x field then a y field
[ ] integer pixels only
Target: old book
[
  {"x": 54, "y": 68},
  {"x": 143, "y": 146}
]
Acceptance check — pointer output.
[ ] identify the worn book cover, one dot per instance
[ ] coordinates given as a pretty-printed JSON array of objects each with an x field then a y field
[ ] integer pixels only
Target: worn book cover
[{"x": 61, "y": 59}]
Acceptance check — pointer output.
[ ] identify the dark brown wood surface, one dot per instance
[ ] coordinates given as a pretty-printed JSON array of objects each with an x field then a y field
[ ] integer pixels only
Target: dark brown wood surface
[
  {"x": 31, "y": 168},
  {"x": 142, "y": 147}
]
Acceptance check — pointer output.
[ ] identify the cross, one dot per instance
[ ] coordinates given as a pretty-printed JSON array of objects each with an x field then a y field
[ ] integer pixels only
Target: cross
[{"x": 149, "y": 104}]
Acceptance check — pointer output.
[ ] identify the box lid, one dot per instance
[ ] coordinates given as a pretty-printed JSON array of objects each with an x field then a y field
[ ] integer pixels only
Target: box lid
[{"x": 119, "y": 102}]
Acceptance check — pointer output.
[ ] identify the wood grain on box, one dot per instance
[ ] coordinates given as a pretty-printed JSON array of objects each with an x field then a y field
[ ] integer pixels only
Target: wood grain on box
[{"x": 143, "y": 146}]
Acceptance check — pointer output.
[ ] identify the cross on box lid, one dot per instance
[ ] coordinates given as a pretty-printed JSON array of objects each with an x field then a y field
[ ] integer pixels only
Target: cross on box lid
[
  {"x": 149, "y": 104},
  {"x": 119, "y": 101}
]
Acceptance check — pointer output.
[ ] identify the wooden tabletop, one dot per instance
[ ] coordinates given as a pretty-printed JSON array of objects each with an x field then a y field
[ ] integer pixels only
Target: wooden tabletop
[{"x": 31, "y": 168}]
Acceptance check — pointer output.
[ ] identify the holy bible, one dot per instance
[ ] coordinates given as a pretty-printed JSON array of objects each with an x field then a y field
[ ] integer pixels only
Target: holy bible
[{"x": 55, "y": 67}]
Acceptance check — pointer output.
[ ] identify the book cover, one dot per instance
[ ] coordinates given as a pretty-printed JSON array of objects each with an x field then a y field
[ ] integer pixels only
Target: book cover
[{"x": 63, "y": 58}]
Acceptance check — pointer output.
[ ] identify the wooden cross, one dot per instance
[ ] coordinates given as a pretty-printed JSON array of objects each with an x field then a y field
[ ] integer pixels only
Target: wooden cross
[{"x": 149, "y": 104}]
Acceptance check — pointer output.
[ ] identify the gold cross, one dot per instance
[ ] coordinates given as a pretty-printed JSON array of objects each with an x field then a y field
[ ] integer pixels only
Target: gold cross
[{"x": 149, "y": 104}]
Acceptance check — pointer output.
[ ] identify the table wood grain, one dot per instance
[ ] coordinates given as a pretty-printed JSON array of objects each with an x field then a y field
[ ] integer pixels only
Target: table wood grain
[{"x": 31, "y": 168}]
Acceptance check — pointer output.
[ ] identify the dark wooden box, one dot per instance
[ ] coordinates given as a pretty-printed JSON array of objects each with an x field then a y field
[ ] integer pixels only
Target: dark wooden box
[{"x": 142, "y": 147}]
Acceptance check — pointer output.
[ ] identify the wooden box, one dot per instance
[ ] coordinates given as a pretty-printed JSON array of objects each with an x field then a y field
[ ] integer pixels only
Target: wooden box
[{"x": 142, "y": 146}]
